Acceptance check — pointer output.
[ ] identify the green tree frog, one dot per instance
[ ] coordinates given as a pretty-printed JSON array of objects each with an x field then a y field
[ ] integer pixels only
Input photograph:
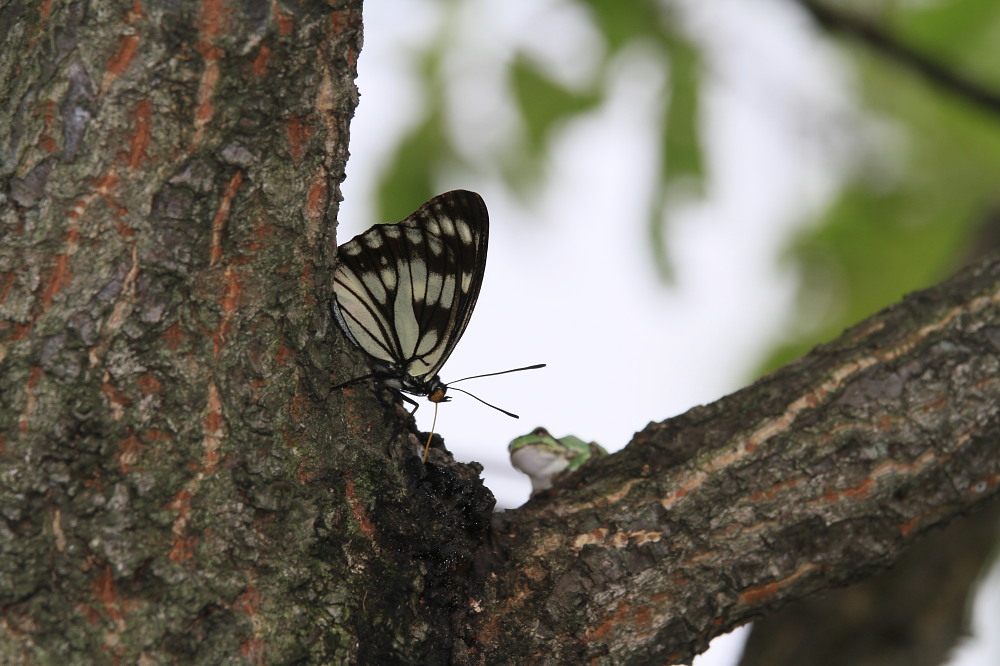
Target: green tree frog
[{"x": 543, "y": 457}]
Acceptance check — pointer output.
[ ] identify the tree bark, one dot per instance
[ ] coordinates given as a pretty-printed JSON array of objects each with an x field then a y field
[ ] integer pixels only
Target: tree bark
[
  {"x": 916, "y": 613},
  {"x": 178, "y": 483},
  {"x": 911, "y": 615}
]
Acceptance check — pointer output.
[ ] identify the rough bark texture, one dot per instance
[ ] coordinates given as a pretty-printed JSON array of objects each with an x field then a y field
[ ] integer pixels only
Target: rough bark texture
[
  {"x": 911, "y": 615},
  {"x": 815, "y": 476},
  {"x": 179, "y": 485}
]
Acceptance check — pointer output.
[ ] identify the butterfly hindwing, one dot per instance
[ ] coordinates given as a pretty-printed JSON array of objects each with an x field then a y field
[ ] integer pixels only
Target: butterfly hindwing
[{"x": 405, "y": 292}]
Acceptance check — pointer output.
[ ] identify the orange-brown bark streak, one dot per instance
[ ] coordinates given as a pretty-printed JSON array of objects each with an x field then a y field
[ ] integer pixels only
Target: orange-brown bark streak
[
  {"x": 211, "y": 25},
  {"x": 140, "y": 139},
  {"x": 360, "y": 515},
  {"x": 222, "y": 214}
]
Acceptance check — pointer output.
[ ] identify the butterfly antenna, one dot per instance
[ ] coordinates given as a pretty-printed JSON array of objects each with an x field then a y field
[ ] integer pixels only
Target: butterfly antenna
[
  {"x": 493, "y": 374},
  {"x": 510, "y": 414},
  {"x": 427, "y": 446}
]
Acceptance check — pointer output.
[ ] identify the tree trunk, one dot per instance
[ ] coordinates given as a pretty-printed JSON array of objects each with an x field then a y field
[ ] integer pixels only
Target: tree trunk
[{"x": 179, "y": 484}]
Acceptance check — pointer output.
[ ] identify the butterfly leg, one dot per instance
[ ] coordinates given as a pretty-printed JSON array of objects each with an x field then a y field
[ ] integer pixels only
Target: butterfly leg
[
  {"x": 408, "y": 400},
  {"x": 416, "y": 405}
]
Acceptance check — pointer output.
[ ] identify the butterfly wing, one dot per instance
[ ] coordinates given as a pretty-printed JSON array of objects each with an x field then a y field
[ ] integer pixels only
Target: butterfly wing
[{"x": 405, "y": 292}]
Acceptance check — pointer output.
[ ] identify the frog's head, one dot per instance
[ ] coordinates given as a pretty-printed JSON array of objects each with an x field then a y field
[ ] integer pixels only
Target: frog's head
[{"x": 542, "y": 456}]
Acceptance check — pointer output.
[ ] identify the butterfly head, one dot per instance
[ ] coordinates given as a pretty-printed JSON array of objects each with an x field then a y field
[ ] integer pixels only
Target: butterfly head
[
  {"x": 434, "y": 389},
  {"x": 438, "y": 394}
]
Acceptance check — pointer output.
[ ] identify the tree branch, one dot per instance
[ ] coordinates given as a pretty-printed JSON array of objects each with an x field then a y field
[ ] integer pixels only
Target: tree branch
[
  {"x": 945, "y": 78},
  {"x": 888, "y": 619},
  {"x": 815, "y": 476}
]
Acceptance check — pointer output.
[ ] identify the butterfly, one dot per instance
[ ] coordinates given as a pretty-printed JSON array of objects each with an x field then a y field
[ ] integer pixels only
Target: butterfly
[{"x": 404, "y": 292}]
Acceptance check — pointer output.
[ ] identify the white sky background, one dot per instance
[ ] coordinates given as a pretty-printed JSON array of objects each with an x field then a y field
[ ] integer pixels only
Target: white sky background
[{"x": 570, "y": 278}]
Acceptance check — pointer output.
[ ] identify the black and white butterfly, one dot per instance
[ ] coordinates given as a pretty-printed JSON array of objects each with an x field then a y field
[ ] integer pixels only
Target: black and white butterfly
[{"x": 405, "y": 292}]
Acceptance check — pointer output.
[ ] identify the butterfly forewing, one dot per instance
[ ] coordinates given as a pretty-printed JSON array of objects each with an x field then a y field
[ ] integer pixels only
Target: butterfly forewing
[{"x": 404, "y": 292}]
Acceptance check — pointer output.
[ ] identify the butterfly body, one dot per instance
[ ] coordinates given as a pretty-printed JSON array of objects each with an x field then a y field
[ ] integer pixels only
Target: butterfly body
[{"x": 404, "y": 293}]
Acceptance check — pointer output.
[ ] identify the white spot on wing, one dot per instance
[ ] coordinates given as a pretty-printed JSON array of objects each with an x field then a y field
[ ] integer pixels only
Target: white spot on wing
[
  {"x": 388, "y": 277},
  {"x": 363, "y": 319},
  {"x": 418, "y": 368},
  {"x": 435, "y": 245},
  {"x": 404, "y": 319},
  {"x": 418, "y": 271},
  {"x": 374, "y": 287},
  {"x": 427, "y": 342},
  {"x": 448, "y": 292},
  {"x": 464, "y": 231},
  {"x": 435, "y": 282}
]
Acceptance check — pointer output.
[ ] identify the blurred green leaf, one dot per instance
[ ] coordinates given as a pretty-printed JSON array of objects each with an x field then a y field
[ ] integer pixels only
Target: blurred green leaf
[
  {"x": 544, "y": 103},
  {"x": 961, "y": 33},
  {"x": 407, "y": 182},
  {"x": 682, "y": 135},
  {"x": 622, "y": 22}
]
